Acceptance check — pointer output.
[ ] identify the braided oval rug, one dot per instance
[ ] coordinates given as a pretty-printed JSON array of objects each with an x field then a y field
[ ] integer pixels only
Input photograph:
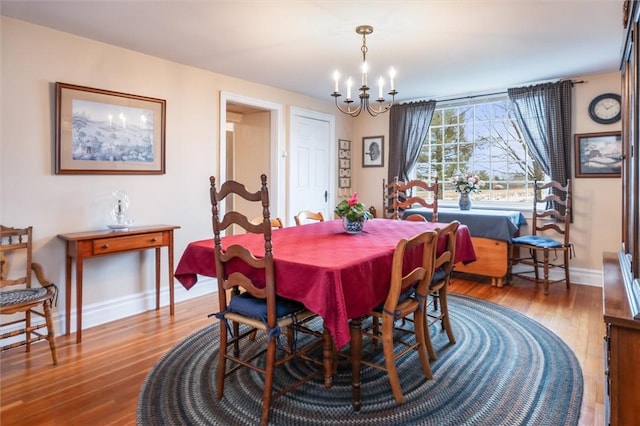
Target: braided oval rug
[{"x": 505, "y": 369}]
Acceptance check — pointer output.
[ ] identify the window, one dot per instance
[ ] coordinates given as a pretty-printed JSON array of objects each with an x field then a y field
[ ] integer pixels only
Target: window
[{"x": 480, "y": 137}]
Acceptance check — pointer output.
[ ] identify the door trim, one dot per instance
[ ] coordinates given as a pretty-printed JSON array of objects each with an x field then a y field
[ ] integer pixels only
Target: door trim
[{"x": 277, "y": 192}]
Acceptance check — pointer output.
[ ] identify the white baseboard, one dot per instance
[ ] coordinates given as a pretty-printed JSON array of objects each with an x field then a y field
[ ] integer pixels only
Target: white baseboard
[
  {"x": 114, "y": 309},
  {"x": 578, "y": 275}
]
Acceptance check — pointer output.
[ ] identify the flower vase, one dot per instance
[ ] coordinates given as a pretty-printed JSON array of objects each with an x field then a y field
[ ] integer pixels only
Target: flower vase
[
  {"x": 465, "y": 201},
  {"x": 352, "y": 227}
]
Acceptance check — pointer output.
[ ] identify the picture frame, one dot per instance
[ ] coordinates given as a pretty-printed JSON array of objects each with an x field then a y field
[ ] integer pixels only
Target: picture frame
[
  {"x": 345, "y": 182},
  {"x": 345, "y": 144},
  {"x": 106, "y": 132},
  {"x": 373, "y": 151},
  {"x": 345, "y": 163},
  {"x": 598, "y": 155}
]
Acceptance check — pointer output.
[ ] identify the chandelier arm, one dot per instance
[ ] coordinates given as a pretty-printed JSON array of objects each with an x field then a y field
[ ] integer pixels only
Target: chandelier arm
[{"x": 353, "y": 113}]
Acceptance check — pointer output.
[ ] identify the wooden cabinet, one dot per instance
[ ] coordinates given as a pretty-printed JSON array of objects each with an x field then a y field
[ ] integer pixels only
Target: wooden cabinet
[
  {"x": 622, "y": 349},
  {"x": 621, "y": 271}
]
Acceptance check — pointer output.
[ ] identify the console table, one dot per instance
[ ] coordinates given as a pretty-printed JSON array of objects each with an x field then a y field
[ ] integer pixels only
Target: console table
[
  {"x": 82, "y": 245},
  {"x": 491, "y": 233}
]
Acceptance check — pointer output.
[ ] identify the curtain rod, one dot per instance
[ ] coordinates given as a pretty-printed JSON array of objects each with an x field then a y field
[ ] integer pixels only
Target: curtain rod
[{"x": 502, "y": 92}]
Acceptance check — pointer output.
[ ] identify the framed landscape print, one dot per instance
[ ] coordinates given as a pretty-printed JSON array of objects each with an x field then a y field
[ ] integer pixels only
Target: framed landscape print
[
  {"x": 104, "y": 132},
  {"x": 598, "y": 155},
  {"x": 373, "y": 151}
]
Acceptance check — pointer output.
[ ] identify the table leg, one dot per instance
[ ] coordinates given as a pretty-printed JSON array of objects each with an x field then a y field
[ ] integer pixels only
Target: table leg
[
  {"x": 157, "y": 278},
  {"x": 328, "y": 358},
  {"x": 170, "y": 261},
  {"x": 79, "y": 265},
  {"x": 356, "y": 352},
  {"x": 67, "y": 293}
]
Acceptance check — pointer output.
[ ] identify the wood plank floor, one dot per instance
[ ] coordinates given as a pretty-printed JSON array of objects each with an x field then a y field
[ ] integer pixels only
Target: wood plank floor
[{"x": 97, "y": 382}]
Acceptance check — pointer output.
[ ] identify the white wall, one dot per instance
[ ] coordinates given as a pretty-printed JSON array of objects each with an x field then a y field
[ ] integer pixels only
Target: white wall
[
  {"x": 596, "y": 204},
  {"x": 33, "y": 59}
]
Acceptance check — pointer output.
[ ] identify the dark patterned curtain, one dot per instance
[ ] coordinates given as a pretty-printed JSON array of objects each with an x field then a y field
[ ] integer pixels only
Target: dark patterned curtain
[
  {"x": 408, "y": 127},
  {"x": 543, "y": 113}
]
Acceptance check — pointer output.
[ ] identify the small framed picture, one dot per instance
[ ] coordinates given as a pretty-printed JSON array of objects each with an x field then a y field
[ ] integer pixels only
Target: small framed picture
[
  {"x": 345, "y": 163},
  {"x": 345, "y": 144},
  {"x": 345, "y": 173},
  {"x": 598, "y": 155},
  {"x": 373, "y": 151},
  {"x": 345, "y": 183},
  {"x": 344, "y": 154}
]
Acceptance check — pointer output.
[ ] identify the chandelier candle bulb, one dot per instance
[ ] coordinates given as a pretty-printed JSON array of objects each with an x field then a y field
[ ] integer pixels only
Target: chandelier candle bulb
[
  {"x": 365, "y": 68},
  {"x": 349, "y": 84},
  {"x": 380, "y": 88},
  {"x": 336, "y": 78},
  {"x": 392, "y": 77}
]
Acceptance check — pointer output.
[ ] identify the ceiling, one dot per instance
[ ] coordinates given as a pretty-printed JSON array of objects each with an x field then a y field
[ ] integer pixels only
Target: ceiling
[{"x": 439, "y": 48}]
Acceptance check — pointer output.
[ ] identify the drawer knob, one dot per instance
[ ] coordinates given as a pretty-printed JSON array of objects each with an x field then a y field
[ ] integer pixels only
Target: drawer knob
[
  {"x": 105, "y": 246},
  {"x": 154, "y": 239}
]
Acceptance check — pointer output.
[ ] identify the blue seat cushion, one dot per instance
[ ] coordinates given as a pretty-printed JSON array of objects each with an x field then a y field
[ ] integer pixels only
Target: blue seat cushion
[
  {"x": 537, "y": 241},
  {"x": 438, "y": 276},
  {"x": 403, "y": 296},
  {"x": 253, "y": 307}
]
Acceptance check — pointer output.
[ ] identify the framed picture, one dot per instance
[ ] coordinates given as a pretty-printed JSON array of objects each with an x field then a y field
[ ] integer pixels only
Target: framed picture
[
  {"x": 345, "y": 182},
  {"x": 345, "y": 144},
  {"x": 345, "y": 163},
  {"x": 373, "y": 151},
  {"x": 104, "y": 132},
  {"x": 345, "y": 173},
  {"x": 598, "y": 155},
  {"x": 344, "y": 154}
]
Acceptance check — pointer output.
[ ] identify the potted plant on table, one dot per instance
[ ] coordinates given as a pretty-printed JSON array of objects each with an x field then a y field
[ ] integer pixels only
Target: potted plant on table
[{"x": 353, "y": 213}]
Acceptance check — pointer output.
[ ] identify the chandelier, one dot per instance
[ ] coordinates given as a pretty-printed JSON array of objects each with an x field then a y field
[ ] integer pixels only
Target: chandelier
[{"x": 354, "y": 110}]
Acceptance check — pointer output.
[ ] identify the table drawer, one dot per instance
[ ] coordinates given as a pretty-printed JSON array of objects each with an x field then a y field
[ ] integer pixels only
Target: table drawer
[{"x": 131, "y": 242}]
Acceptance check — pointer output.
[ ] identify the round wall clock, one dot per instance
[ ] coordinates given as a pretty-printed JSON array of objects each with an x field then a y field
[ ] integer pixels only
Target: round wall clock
[{"x": 605, "y": 108}]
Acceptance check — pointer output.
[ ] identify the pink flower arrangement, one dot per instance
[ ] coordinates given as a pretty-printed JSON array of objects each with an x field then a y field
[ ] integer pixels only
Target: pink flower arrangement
[
  {"x": 352, "y": 209},
  {"x": 467, "y": 183}
]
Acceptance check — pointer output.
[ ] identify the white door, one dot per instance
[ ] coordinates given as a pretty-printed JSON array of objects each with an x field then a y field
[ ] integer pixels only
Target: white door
[{"x": 312, "y": 165}]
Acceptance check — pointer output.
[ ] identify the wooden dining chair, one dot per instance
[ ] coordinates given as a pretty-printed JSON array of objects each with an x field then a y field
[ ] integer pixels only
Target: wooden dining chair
[
  {"x": 21, "y": 297},
  {"x": 307, "y": 216},
  {"x": 276, "y": 223},
  {"x": 551, "y": 221},
  {"x": 253, "y": 305},
  {"x": 415, "y": 193},
  {"x": 438, "y": 306},
  {"x": 406, "y": 300}
]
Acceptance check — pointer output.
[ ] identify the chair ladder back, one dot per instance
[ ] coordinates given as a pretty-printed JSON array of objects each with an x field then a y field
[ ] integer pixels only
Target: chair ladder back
[
  {"x": 223, "y": 257},
  {"x": 16, "y": 242},
  {"x": 556, "y": 215},
  {"x": 404, "y": 196},
  {"x": 446, "y": 259}
]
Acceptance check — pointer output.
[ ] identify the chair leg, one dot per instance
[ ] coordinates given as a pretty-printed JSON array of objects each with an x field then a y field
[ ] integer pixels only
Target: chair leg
[
  {"x": 546, "y": 271},
  {"x": 50, "y": 334},
  {"x": 444, "y": 309},
  {"x": 566, "y": 268},
  {"x": 268, "y": 381},
  {"x": 534, "y": 257},
  {"x": 421, "y": 329},
  {"x": 389, "y": 359},
  {"x": 222, "y": 359},
  {"x": 427, "y": 339},
  {"x": 27, "y": 329}
]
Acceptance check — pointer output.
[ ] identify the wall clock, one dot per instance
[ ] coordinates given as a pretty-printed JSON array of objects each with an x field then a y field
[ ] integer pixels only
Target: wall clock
[{"x": 605, "y": 108}]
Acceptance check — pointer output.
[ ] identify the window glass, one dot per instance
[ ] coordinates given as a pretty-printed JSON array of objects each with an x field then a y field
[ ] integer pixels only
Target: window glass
[{"x": 479, "y": 137}]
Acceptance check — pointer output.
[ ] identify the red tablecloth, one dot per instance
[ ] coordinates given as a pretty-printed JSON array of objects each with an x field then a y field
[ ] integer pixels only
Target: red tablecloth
[{"x": 334, "y": 274}]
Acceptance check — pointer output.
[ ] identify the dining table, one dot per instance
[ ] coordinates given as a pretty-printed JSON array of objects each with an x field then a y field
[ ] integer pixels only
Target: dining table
[{"x": 337, "y": 275}]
